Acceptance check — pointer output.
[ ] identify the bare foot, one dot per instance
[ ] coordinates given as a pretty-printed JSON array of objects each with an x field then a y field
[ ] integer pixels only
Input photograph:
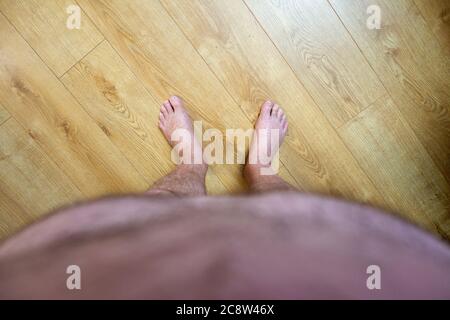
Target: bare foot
[
  {"x": 271, "y": 120},
  {"x": 173, "y": 116}
]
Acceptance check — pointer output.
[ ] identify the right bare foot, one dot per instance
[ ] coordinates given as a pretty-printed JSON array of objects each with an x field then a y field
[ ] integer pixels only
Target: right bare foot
[{"x": 271, "y": 118}]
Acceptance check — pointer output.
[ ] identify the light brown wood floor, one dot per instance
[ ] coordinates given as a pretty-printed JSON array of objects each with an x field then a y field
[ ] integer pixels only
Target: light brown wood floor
[{"x": 368, "y": 109}]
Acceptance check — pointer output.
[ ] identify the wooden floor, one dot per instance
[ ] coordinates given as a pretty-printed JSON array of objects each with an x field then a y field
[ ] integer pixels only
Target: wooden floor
[{"x": 369, "y": 110}]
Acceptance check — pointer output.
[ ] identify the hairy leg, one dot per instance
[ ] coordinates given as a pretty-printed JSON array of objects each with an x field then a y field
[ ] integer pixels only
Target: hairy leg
[
  {"x": 187, "y": 178},
  {"x": 271, "y": 120},
  {"x": 184, "y": 180},
  {"x": 264, "y": 183}
]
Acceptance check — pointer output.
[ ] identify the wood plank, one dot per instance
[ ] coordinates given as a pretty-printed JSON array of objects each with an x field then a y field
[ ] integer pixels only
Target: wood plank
[
  {"x": 287, "y": 176},
  {"x": 127, "y": 113},
  {"x": 31, "y": 184},
  {"x": 394, "y": 158},
  {"x": 413, "y": 67},
  {"x": 121, "y": 106},
  {"x": 12, "y": 216},
  {"x": 437, "y": 14},
  {"x": 40, "y": 103},
  {"x": 164, "y": 60},
  {"x": 322, "y": 54},
  {"x": 43, "y": 25},
  {"x": 248, "y": 64},
  {"x": 4, "y": 115}
]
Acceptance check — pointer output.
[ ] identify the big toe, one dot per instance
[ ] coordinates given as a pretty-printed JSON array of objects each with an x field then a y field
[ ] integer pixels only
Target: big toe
[
  {"x": 176, "y": 102},
  {"x": 266, "y": 108}
]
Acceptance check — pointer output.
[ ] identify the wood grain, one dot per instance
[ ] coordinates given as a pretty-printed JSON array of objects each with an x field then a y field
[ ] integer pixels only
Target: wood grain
[
  {"x": 122, "y": 108},
  {"x": 43, "y": 25},
  {"x": 12, "y": 216},
  {"x": 52, "y": 117},
  {"x": 411, "y": 64},
  {"x": 392, "y": 156},
  {"x": 322, "y": 54},
  {"x": 437, "y": 14},
  {"x": 4, "y": 115},
  {"x": 31, "y": 183}
]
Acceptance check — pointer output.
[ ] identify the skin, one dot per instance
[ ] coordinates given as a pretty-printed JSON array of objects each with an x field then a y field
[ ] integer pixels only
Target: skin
[{"x": 173, "y": 242}]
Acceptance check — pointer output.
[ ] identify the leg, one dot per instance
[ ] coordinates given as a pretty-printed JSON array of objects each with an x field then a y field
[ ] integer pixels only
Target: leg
[
  {"x": 187, "y": 178},
  {"x": 264, "y": 183},
  {"x": 273, "y": 120}
]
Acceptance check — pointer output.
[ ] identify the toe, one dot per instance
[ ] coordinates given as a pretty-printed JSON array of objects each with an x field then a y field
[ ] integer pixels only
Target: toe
[
  {"x": 275, "y": 109},
  {"x": 161, "y": 117},
  {"x": 168, "y": 107},
  {"x": 176, "y": 102},
  {"x": 266, "y": 108},
  {"x": 164, "y": 111}
]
